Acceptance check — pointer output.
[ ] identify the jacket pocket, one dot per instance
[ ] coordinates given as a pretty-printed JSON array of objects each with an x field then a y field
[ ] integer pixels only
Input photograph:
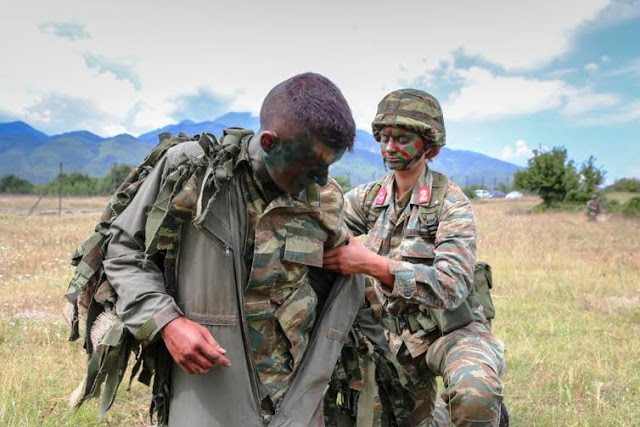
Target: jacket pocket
[
  {"x": 303, "y": 250},
  {"x": 417, "y": 250}
]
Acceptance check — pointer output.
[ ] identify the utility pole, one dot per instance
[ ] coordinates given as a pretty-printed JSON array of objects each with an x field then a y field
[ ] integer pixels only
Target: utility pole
[
  {"x": 349, "y": 179},
  {"x": 60, "y": 191}
]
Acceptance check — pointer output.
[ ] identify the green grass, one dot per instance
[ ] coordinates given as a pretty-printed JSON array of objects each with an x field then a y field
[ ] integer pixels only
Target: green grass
[{"x": 566, "y": 291}]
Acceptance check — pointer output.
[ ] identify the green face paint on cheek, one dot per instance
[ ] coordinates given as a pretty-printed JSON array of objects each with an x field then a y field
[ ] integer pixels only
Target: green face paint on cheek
[{"x": 400, "y": 148}]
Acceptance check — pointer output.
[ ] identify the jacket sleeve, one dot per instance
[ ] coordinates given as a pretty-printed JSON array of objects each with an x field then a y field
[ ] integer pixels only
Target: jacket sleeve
[
  {"x": 448, "y": 282},
  {"x": 143, "y": 303}
]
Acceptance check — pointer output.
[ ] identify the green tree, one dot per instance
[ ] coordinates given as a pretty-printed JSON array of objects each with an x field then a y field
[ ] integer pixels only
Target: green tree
[
  {"x": 13, "y": 184},
  {"x": 343, "y": 183},
  {"x": 550, "y": 174},
  {"x": 592, "y": 176},
  {"x": 631, "y": 185},
  {"x": 73, "y": 184},
  {"x": 112, "y": 180}
]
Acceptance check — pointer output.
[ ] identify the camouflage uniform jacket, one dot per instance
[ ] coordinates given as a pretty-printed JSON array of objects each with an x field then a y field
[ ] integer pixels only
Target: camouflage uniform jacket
[
  {"x": 428, "y": 274},
  {"x": 215, "y": 288}
]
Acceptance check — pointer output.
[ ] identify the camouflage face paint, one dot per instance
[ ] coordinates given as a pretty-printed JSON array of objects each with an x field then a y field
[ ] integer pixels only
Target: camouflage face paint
[
  {"x": 399, "y": 147},
  {"x": 295, "y": 163}
]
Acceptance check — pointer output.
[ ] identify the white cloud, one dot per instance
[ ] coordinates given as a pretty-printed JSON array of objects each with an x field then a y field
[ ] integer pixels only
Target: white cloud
[
  {"x": 605, "y": 59},
  {"x": 583, "y": 101},
  {"x": 194, "y": 44},
  {"x": 519, "y": 153},
  {"x": 623, "y": 113},
  {"x": 484, "y": 95},
  {"x": 591, "y": 66}
]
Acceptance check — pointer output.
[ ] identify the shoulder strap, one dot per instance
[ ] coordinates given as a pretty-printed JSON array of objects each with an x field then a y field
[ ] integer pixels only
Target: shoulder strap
[
  {"x": 370, "y": 214},
  {"x": 430, "y": 214}
]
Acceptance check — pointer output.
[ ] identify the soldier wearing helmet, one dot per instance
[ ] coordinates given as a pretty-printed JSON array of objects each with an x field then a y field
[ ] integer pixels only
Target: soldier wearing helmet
[{"x": 417, "y": 244}]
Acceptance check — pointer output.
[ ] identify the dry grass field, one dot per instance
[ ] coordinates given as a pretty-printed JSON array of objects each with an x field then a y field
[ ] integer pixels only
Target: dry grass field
[{"x": 567, "y": 293}]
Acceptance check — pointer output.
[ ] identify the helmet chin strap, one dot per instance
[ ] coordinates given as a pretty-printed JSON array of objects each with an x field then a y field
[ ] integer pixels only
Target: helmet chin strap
[{"x": 416, "y": 157}]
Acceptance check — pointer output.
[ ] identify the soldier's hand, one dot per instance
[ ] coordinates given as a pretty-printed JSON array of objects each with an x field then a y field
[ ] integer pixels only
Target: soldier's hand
[
  {"x": 192, "y": 346},
  {"x": 347, "y": 259},
  {"x": 354, "y": 258}
]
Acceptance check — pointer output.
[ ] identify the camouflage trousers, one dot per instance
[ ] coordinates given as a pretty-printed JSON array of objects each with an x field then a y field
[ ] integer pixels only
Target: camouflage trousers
[{"x": 471, "y": 361}]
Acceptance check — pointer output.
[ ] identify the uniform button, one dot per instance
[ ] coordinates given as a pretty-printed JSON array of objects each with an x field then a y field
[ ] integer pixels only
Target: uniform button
[{"x": 407, "y": 293}]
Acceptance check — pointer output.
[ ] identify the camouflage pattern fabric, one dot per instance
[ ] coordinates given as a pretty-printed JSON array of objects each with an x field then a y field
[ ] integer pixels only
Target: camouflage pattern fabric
[
  {"x": 285, "y": 237},
  {"x": 423, "y": 277},
  {"x": 414, "y": 110},
  {"x": 432, "y": 274},
  {"x": 471, "y": 362}
]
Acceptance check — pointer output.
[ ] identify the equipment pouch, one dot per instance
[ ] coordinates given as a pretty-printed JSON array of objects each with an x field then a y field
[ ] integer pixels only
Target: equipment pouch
[{"x": 482, "y": 284}]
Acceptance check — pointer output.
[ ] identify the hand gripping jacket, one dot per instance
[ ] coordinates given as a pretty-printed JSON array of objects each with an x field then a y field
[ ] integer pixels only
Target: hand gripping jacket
[{"x": 90, "y": 296}]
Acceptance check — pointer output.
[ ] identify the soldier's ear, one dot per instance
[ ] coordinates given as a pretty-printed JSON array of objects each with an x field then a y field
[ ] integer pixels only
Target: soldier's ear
[{"x": 268, "y": 140}]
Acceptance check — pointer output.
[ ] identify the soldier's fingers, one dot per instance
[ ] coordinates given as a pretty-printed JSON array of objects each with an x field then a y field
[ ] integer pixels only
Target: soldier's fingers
[
  {"x": 212, "y": 341},
  {"x": 199, "y": 364},
  {"x": 216, "y": 357},
  {"x": 331, "y": 264}
]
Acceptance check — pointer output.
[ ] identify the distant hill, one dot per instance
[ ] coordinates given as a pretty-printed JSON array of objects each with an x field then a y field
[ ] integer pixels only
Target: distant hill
[
  {"x": 31, "y": 154},
  {"x": 243, "y": 120}
]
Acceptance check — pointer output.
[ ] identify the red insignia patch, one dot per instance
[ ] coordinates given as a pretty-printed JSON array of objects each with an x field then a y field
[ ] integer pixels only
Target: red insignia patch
[
  {"x": 424, "y": 194},
  {"x": 382, "y": 196}
]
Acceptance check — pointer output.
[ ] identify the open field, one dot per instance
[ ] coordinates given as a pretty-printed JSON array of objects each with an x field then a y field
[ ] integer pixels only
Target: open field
[{"x": 567, "y": 293}]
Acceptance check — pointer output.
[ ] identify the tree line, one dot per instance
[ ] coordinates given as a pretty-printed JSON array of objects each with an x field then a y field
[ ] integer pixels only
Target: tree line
[{"x": 73, "y": 184}]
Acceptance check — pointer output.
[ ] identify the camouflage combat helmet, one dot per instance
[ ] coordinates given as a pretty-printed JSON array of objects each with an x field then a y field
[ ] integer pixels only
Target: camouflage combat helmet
[{"x": 413, "y": 110}]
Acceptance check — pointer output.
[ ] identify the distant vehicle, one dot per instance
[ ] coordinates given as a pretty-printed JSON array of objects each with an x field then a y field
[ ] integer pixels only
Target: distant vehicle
[
  {"x": 513, "y": 195},
  {"x": 496, "y": 194},
  {"x": 483, "y": 194}
]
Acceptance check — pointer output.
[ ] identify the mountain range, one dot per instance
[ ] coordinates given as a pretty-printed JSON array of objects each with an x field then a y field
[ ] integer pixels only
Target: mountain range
[{"x": 36, "y": 156}]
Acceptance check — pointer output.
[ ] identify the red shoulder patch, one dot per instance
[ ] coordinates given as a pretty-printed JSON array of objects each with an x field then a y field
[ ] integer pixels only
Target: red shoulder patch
[
  {"x": 382, "y": 196},
  {"x": 424, "y": 194}
]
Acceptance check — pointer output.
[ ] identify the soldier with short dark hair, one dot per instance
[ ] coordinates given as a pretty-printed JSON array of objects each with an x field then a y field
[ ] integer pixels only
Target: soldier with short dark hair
[
  {"x": 418, "y": 246},
  {"x": 252, "y": 223}
]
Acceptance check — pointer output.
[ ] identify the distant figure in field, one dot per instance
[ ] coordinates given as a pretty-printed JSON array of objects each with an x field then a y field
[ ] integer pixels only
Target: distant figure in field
[{"x": 593, "y": 208}]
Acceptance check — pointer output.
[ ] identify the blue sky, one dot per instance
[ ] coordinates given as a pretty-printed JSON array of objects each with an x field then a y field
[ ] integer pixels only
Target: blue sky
[{"x": 511, "y": 75}]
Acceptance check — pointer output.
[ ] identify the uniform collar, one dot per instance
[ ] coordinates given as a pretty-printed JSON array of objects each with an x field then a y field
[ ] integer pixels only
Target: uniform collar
[
  {"x": 420, "y": 194},
  {"x": 385, "y": 193}
]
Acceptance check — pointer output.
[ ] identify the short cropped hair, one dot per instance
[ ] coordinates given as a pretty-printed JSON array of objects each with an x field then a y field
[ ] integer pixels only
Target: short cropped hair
[{"x": 311, "y": 105}]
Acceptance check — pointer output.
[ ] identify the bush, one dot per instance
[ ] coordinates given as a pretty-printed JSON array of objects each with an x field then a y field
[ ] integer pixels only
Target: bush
[
  {"x": 13, "y": 184},
  {"x": 554, "y": 177},
  {"x": 632, "y": 208},
  {"x": 630, "y": 185}
]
